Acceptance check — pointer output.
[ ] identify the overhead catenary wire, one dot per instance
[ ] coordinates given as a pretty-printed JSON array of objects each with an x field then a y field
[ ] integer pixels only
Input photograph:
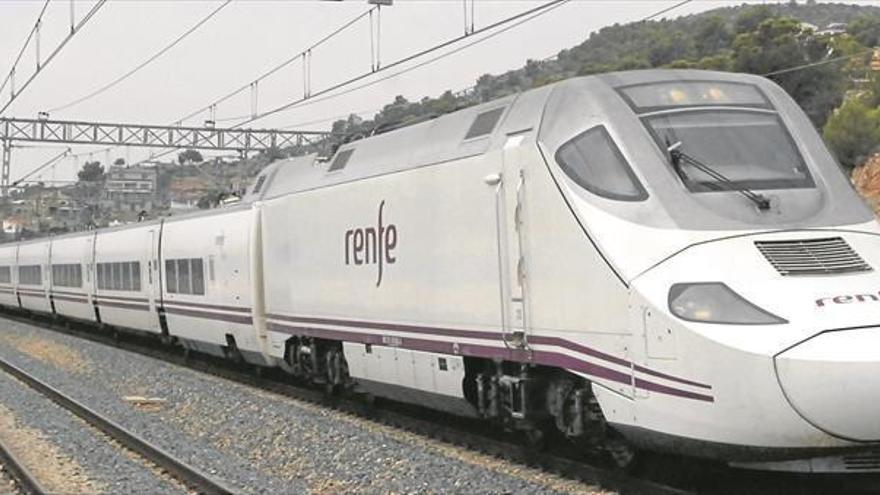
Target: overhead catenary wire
[
  {"x": 528, "y": 15},
  {"x": 49, "y": 163},
  {"x": 145, "y": 63},
  {"x": 538, "y": 11},
  {"x": 546, "y": 7},
  {"x": 667, "y": 9},
  {"x": 317, "y": 96},
  {"x": 644, "y": 19},
  {"x": 819, "y": 63},
  {"x": 24, "y": 46},
  {"x": 303, "y": 54},
  {"x": 89, "y": 15}
]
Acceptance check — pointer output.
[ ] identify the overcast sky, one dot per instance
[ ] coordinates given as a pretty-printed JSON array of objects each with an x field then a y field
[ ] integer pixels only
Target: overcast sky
[{"x": 249, "y": 37}]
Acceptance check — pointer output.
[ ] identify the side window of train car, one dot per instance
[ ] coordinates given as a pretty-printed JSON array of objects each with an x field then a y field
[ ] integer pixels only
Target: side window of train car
[
  {"x": 30, "y": 275},
  {"x": 594, "y": 162},
  {"x": 122, "y": 275},
  {"x": 5, "y": 275},
  {"x": 185, "y": 276},
  {"x": 67, "y": 275}
]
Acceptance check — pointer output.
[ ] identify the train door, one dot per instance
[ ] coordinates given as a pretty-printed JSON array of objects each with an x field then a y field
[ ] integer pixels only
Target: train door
[
  {"x": 514, "y": 283},
  {"x": 91, "y": 279},
  {"x": 153, "y": 279}
]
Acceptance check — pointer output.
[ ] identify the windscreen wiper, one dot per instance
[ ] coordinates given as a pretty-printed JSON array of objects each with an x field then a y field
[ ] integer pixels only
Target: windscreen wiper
[{"x": 676, "y": 156}]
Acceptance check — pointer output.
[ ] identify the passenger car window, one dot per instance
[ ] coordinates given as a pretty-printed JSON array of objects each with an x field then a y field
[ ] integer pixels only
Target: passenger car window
[
  {"x": 30, "y": 275},
  {"x": 185, "y": 276},
  {"x": 594, "y": 162},
  {"x": 171, "y": 276},
  {"x": 198, "y": 277},
  {"x": 67, "y": 275}
]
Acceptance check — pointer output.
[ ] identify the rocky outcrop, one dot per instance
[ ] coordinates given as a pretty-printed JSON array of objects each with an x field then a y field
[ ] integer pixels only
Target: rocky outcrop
[{"x": 866, "y": 178}]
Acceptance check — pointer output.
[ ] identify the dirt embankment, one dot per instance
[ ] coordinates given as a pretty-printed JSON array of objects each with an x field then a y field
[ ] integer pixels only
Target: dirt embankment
[{"x": 867, "y": 181}]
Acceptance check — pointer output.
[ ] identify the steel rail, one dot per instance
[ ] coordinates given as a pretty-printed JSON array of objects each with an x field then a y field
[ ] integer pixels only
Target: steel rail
[
  {"x": 25, "y": 480},
  {"x": 439, "y": 426},
  {"x": 190, "y": 475}
]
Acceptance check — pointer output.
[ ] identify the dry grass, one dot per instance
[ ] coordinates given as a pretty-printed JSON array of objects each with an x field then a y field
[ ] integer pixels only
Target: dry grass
[
  {"x": 56, "y": 471},
  {"x": 52, "y": 353}
]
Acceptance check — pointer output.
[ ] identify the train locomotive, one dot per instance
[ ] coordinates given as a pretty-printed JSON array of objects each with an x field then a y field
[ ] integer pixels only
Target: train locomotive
[{"x": 667, "y": 260}]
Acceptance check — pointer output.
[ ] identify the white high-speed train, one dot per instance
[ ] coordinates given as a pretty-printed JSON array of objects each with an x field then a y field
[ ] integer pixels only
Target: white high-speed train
[{"x": 665, "y": 260}]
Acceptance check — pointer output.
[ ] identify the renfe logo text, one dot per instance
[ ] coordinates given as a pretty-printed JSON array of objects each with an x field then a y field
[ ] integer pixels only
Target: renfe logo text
[
  {"x": 848, "y": 299},
  {"x": 372, "y": 245}
]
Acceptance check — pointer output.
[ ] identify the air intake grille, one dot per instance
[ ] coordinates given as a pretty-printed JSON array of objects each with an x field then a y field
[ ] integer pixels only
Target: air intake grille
[
  {"x": 868, "y": 461},
  {"x": 812, "y": 256}
]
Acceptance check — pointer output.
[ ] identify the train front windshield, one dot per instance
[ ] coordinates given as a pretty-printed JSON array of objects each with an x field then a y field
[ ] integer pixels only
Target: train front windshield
[
  {"x": 730, "y": 128},
  {"x": 751, "y": 149}
]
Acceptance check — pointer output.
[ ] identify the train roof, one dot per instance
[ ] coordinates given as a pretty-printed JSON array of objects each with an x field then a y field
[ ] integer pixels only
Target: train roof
[
  {"x": 468, "y": 132},
  {"x": 465, "y": 133}
]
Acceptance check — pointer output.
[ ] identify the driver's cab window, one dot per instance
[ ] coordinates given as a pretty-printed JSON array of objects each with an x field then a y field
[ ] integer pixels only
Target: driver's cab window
[{"x": 594, "y": 162}]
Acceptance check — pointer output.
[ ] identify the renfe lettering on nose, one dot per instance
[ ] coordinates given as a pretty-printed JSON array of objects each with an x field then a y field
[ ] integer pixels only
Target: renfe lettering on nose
[{"x": 372, "y": 245}]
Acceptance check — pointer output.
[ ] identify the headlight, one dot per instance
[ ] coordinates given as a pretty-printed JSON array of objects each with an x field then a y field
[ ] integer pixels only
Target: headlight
[{"x": 714, "y": 302}]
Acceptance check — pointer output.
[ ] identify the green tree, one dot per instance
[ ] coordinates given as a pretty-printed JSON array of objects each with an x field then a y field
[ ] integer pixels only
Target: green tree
[
  {"x": 189, "y": 156},
  {"x": 751, "y": 18},
  {"x": 871, "y": 96},
  {"x": 119, "y": 162},
  {"x": 666, "y": 47},
  {"x": 712, "y": 35},
  {"x": 91, "y": 172},
  {"x": 866, "y": 30},
  {"x": 780, "y": 43},
  {"x": 853, "y": 132}
]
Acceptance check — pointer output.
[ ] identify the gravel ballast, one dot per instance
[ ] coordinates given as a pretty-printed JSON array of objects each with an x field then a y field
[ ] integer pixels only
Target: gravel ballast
[
  {"x": 256, "y": 441},
  {"x": 7, "y": 486},
  {"x": 64, "y": 453}
]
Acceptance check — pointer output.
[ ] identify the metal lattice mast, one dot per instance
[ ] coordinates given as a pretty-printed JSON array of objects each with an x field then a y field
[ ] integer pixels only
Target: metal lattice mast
[
  {"x": 7, "y": 156},
  {"x": 148, "y": 136}
]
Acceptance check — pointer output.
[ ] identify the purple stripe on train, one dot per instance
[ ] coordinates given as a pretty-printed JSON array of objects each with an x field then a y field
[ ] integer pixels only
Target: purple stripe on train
[
  {"x": 242, "y": 319},
  {"x": 538, "y": 357},
  {"x": 488, "y": 335}
]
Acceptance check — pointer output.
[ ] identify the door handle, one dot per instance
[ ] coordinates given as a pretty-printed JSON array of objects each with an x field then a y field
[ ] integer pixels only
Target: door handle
[{"x": 492, "y": 179}]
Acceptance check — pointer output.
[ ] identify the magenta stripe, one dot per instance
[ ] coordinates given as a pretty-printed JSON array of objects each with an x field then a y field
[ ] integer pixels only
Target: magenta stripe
[
  {"x": 120, "y": 298},
  {"x": 137, "y": 307},
  {"x": 449, "y": 332},
  {"x": 495, "y": 336},
  {"x": 68, "y": 293},
  {"x": 538, "y": 357},
  {"x": 663, "y": 389},
  {"x": 659, "y": 374},
  {"x": 34, "y": 294},
  {"x": 31, "y": 291},
  {"x": 82, "y": 300},
  {"x": 185, "y": 304},
  {"x": 537, "y": 339},
  {"x": 242, "y": 319}
]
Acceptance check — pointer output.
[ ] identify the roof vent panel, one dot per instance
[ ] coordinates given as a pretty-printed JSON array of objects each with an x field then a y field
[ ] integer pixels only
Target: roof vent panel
[{"x": 341, "y": 160}]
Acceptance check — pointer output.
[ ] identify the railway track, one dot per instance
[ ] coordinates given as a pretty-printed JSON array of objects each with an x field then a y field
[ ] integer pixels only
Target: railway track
[
  {"x": 668, "y": 476},
  {"x": 469, "y": 434},
  {"x": 25, "y": 481},
  {"x": 188, "y": 475}
]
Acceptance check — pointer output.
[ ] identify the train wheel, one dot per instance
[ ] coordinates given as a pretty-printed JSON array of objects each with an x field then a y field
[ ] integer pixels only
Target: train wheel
[
  {"x": 622, "y": 453},
  {"x": 535, "y": 439}
]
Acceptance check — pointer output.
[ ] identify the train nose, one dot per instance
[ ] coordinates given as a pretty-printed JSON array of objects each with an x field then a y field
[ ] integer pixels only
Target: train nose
[{"x": 833, "y": 381}]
